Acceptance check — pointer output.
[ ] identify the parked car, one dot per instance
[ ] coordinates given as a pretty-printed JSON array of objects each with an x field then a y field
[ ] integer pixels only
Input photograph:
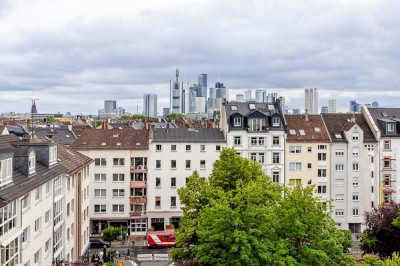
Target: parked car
[{"x": 99, "y": 243}]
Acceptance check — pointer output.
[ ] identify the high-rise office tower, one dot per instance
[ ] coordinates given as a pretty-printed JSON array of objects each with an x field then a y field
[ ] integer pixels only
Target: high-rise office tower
[
  {"x": 261, "y": 96},
  {"x": 324, "y": 109},
  {"x": 375, "y": 105},
  {"x": 222, "y": 92},
  {"x": 331, "y": 106},
  {"x": 240, "y": 98},
  {"x": 247, "y": 95},
  {"x": 311, "y": 100},
  {"x": 202, "y": 90},
  {"x": 150, "y": 105},
  {"x": 175, "y": 95},
  {"x": 110, "y": 105},
  {"x": 272, "y": 97},
  {"x": 354, "y": 107}
]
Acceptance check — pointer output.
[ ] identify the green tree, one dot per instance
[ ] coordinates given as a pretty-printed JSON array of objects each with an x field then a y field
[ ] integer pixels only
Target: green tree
[
  {"x": 111, "y": 233},
  {"x": 240, "y": 217}
]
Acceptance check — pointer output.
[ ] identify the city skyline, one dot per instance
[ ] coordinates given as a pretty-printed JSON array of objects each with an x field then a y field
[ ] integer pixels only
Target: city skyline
[{"x": 75, "y": 53}]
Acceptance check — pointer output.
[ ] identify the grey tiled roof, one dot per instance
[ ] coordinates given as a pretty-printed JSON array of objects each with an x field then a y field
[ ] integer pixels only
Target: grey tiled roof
[
  {"x": 244, "y": 109},
  {"x": 386, "y": 115},
  {"x": 188, "y": 135},
  {"x": 59, "y": 135}
]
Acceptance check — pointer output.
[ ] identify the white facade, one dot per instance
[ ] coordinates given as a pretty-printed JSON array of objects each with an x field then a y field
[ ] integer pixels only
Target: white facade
[{"x": 171, "y": 163}]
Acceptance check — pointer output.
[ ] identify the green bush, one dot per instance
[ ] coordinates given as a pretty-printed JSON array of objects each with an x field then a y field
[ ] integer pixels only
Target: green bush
[{"x": 111, "y": 233}]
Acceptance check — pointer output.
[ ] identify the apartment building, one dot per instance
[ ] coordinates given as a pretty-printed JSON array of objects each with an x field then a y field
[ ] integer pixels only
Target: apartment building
[
  {"x": 385, "y": 125},
  {"x": 118, "y": 178},
  {"x": 174, "y": 154},
  {"x": 307, "y": 152},
  {"x": 256, "y": 131},
  {"x": 354, "y": 169}
]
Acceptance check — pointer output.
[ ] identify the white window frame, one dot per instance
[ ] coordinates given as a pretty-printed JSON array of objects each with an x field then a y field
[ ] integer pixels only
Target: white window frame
[
  {"x": 102, "y": 208},
  {"x": 100, "y": 193},
  {"x": 237, "y": 121}
]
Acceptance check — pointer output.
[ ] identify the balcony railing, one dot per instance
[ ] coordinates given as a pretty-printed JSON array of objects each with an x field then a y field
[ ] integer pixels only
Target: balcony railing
[
  {"x": 138, "y": 168},
  {"x": 138, "y": 199},
  {"x": 138, "y": 184},
  {"x": 137, "y": 213}
]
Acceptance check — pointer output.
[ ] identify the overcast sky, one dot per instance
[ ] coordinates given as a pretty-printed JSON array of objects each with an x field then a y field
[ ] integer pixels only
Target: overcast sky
[{"x": 72, "y": 55}]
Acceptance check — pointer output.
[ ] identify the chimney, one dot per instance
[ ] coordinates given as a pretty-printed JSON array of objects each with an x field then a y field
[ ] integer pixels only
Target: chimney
[
  {"x": 167, "y": 125},
  {"x": 306, "y": 116},
  {"x": 151, "y": 133},
  {"x": 145, "y": 125},
  {"x": 208, "y": 124},
  {"x": 353, "y": 119},
  {"x": 115, "y": 132}
]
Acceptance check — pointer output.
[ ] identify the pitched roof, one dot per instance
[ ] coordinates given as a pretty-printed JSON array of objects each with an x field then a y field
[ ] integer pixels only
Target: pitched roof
[
  {"x": 243, "y": 108},
  {"x": 104, "y": 139},
  {"x": 188, "y": 135},
  {"x": 386, "y": 115},
  {"x": 302, "y": 130},
  {"x": 79, "y": 129},
  {"x": 72, "y": 160},
  {"x": 60, "y": 135},
  {"x": 338, "y": 123}
]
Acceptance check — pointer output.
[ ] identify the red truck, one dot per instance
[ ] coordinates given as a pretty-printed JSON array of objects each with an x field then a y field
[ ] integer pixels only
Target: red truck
[{"x": 161, "y": 239}]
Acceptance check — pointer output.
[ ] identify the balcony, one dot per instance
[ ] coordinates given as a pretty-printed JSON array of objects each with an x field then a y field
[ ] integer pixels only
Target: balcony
[
  {"x": 138, "y": 184},
  {"x": 138, "y": 168},
  {"x": 138, "y": 199}
]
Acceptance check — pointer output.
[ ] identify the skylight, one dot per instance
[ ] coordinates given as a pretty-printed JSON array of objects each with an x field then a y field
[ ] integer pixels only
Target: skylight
[
  {"x": 103, "y": 144},
  {"x": 384, "y": 114},
  {"x": 317, "y": 129},
  {"x": 118, "y": 143},
  {"x": 252, "y": 106},
  {"x": 338, "y": 136},
  {"x": 292, "y": 131},
  {"x": 233, "y": 107},
  {"x": 271, "y": 107},
  {"x": 302, "y": 133}
]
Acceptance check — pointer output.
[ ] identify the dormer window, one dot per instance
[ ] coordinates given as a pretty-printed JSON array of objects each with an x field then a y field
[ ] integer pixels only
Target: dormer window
[
  {"x": 390, "y": 127},
  {"x": 32, "y": 163},
  {"x": 5, "y": 171},
  {"x": 237, "y": 121},
  {"x": 276, "y": 121},
  {"x": 52, "y": 155}
]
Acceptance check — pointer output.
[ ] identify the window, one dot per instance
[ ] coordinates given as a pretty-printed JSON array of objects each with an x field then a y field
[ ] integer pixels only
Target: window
[
  {"x": 187, "y": 164},
  {"x": 233, "y": 107},
  {"x": 38, "y": 224},
  {"x": 100, "y": 193},
  {"x": 386, "y": 180},
  {"x": 173, "y": 202},
  {"x": 202, "y": 164},
  {"x": 237, "y": 140},
  {"x": 276, "y": 121},
  {"x": 100, "y": 208},
  {"x": 173, "y": 147},
  {"x": 372, "y": 174},
  {"x": 294, "y": 149},
  {"x": 118, "y": 193},
  {"x": 321, "y": 189},
  {"x": 356, "y": 152},
  {"x": 339, "y": 197},
  {"x": 321, "y": 172},
  {"x": 25, "y": 202},
  {"x": 355, "y": 167},
  {"x": 295, "y": 166},
  {"x": 322, "y": 157},
  {"x": 100, "y": 162},
  {"x": 355, "y": 212},
  {"x": 202, "y": 147},
  {"x": 37, "y": 256},
  {"x": 275, "y": 141},
  {"x": 294, "y": 182},
  {"x": 6, "y": 169},
  {"x": 322, "y": 147},
  {"x": 173, "y": 164},
  {"x": 47, "y": 246},
  {"x": 275, "y": 158},
  {"x": 139, "y": 225},
  {"x": 339, "y": 152},
  {"x": 386, "y": 163},
  {"x": 390, "y": 127},
  {"x": 302, "y": 132},
  {"x": 355, "y": 181},
  {"x": 386, "y": 145},
  {"x": 217, "y": 147},
  {"x": 237, "y": 121},
  {"x": 99, "y": 177},
  {"x": 276, "y": 177},
  {"x": 158, "y": 202},
  {"x": 372, "y": 159},
  {"x": 309, "y": 165},
  {"x": 158, "y": 164},
  {"x": 47, "y": 217},
  {"x": 188, "y": 148},
  {"x": 253, "y": 141},
  {"x": 158, "y": 147},
  {"x": 25, "y": 235},
  {"x": 118, "y": 207},
  {"x": 369, "y": 147},
  {"x": 252, "y": 106},
  {"x": 309, "y": 149},
  {"x": 356, "y": 136},
  {"x": 118, "y": 177},
  {"x": 339, "y": 167},
  {"x": 158, "y": 182},
  {"x": 355, "y": 197},
  {"x": 68, "y": 209},
  {"x": 317, "y": 129},
  {"x": 261, "y": 141},
  {"x": 31, "y": 163},
  {"x": 118, "y": 161},
  {"x": 38, "y": 193},
  {"x": 173, "y": 181},
  {"x": 253, "y": 156},
  {"x": 372, "y": 189},
  {"x": 339, "y": 212},
  {"x": 48, "y": 187}
]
